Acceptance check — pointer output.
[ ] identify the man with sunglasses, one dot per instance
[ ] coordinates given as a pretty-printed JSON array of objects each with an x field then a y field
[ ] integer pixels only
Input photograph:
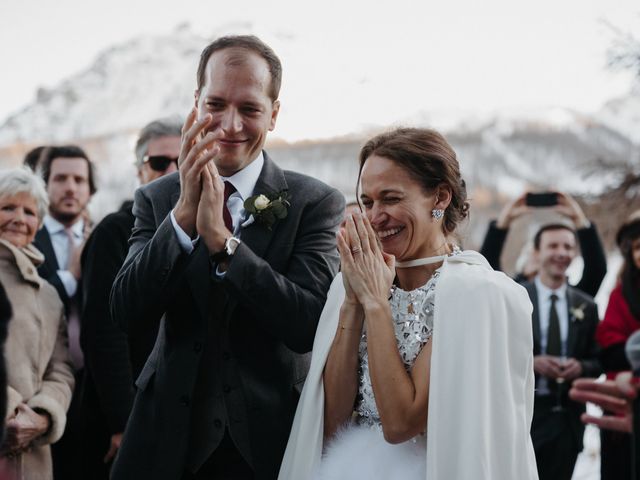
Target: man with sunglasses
[
  {"x": 155, "y": 165},
  {"x": 113, "y": 360}
]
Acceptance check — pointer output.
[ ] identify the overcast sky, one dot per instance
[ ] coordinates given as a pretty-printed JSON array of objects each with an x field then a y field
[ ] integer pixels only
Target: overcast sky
[{"x": 365, "y": 61}]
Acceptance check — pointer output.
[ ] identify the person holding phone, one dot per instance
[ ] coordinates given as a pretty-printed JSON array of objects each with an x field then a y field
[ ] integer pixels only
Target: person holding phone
[{"x": 595, "y": 262}]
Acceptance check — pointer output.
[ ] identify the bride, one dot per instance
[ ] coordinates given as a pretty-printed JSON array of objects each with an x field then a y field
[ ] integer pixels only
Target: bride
[{"x": 422, "y": 364}]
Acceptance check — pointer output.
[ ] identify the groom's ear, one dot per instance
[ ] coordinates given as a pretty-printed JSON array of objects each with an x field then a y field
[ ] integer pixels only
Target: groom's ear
[{"x": 275, "y": 109}]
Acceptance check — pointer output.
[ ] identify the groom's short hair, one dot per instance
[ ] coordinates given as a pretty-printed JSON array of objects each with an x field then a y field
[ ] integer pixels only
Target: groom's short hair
[{"x": 252, "y": 44}]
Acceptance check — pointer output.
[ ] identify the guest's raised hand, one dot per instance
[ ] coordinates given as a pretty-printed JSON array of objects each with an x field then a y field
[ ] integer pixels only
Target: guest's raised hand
[
  {"x": 209, "y": 221},
  {"x": 514, "y": 209},
  {"x": 569, "y": 208},
  {"x": 195, "y": 151}
]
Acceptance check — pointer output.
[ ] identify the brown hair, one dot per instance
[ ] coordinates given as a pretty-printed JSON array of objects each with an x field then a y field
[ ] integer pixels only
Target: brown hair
[
  {"x": 429, "y": 158},
  {"x": 252, "y": 44},
  {"x": 66, "y": 151},
  {"x": 537, "y": 238},
  {"x": 630, "y": 275}
]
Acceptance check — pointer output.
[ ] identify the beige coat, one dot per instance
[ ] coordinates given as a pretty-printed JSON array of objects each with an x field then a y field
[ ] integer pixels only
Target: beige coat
[{"x": 39, "y": 371}]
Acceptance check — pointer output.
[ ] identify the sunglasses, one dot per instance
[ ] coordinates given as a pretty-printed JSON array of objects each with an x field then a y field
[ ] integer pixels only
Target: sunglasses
[{"x": 159, "y": 163}]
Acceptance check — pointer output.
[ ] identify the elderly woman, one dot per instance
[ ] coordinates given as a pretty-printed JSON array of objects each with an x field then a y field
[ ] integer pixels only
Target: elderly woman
[
  {"x": 422, "y": 365},
  {"x": 39, "y": 374}
]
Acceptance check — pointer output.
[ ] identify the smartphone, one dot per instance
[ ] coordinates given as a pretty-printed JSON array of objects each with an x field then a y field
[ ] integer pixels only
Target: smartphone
[{"x": 542, "y": 199}]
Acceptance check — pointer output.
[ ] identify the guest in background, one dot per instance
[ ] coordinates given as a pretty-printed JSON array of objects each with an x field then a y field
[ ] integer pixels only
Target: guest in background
[
  {"x": 621, "y": 319},
  {"x": 69, "y": 177},
  {"x": 564, "y": 321},
  {"x": 39, "y": 373},
  {"x": 595, "y": 262},
  {"x": 113, "y": 361}
]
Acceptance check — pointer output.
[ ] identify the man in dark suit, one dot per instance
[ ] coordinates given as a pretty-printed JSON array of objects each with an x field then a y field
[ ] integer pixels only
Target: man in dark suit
[
  {"x": 112, "y": 360},
  {"x": 235, "y": 256},
  {"x": 69, "y": 178},
  {"x": 564, "y": 323}
]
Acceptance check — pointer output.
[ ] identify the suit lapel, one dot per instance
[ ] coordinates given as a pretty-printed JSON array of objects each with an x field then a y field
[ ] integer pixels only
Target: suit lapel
[
  {"x": 43, "y": 243},
  {"x": 573, "y": 325},
  {"x": 535, "y": 318},
  {"x": 271, "y": 180}
]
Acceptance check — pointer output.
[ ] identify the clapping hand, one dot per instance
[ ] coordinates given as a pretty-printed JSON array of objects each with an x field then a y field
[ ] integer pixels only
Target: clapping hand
[
  {"x": 210, "y": 221},
  {"x": 196, "y": 150},
  {"x": 367, "y": 271}
]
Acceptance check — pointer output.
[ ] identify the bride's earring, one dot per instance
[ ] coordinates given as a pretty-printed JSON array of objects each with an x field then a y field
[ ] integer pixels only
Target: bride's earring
[{"x": 437, "y": 213}]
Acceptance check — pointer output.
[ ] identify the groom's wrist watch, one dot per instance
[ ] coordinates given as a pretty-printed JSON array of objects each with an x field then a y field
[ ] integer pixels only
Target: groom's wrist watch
[{"x": 230, "y": 246}]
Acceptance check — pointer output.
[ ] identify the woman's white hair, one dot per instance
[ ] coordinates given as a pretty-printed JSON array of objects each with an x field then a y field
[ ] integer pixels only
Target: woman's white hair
[{"x": 22, "y": 180}]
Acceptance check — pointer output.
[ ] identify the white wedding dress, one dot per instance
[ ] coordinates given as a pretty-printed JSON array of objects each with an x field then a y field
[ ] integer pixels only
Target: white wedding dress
[
  {"x": 360, "y": 450},
  {"x": 480, "y": 389}
]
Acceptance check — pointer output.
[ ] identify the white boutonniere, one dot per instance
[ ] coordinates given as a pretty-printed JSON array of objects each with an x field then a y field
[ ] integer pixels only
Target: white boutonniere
[
  {"x": 577, "y": 313},
  {"x": 267, "y": 209}
]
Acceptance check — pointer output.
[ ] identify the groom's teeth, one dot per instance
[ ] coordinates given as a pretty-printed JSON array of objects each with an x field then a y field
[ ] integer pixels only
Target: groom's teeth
[{"x": 386, "y": 233}]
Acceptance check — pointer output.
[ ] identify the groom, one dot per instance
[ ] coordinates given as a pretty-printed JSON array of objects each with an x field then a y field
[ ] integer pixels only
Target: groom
[{"x": 237, "y": 295}]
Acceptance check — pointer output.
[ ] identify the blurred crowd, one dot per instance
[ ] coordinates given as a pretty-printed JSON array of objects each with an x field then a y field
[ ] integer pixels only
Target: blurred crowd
[{"x": 70, "y": 369}]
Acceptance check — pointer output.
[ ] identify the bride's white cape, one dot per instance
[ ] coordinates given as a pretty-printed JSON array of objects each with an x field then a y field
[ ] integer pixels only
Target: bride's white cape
[{"x": 481, "y": 390}]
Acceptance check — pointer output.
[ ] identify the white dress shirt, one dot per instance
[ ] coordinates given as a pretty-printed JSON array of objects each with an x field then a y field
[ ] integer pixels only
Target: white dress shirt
[
  {"x": 244, "y": 182},
  {"x": 60, "y": 242},
  {"x": 544, "y": 305}
]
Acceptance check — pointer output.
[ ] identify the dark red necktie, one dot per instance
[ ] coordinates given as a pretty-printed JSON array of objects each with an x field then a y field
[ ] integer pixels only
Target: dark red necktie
[{"x": 229, "y": 189}]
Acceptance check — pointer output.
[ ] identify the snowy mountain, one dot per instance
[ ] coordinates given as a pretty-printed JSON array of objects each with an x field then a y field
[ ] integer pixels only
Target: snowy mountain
[
  {"x": 126, "y": 86},
  {"x": 102, "y": 108}
]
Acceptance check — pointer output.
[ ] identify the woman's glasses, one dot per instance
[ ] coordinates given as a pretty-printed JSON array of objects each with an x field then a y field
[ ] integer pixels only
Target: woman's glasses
[{"x": 159, "y": 163}]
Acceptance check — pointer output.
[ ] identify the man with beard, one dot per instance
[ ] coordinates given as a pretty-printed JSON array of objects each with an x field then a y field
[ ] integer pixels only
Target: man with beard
[
  {"x": 564, "y": 348},
  {"x": 68, "y": 175}
]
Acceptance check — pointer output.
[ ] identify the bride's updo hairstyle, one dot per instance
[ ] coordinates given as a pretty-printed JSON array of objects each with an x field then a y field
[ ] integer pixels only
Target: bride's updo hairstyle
[{"x": 429, "y": 159}]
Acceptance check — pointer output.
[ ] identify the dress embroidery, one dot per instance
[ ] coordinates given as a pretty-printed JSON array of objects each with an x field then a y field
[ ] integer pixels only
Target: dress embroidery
[{"x": 412, "y": 315}]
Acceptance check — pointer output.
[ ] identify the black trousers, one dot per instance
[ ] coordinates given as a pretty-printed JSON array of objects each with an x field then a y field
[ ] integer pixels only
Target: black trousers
[
  {"x": 554, "y": 441},
  {"x": 226, "y": 463},
  {"x": 64, "y": 452},
  {"x": 615, "y": 455}
]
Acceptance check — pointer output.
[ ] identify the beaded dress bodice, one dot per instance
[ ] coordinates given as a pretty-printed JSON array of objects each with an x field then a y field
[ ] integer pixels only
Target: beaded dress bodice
[{"x": 412, "y": 315}]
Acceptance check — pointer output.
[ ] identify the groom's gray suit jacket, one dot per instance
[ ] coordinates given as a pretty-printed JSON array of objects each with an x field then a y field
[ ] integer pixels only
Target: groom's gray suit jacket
[{"x": 231, "y": 351}]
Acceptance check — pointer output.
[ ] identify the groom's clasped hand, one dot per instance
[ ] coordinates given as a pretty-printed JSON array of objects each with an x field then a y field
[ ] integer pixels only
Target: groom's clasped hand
[{"x": 199, "y": 207}]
